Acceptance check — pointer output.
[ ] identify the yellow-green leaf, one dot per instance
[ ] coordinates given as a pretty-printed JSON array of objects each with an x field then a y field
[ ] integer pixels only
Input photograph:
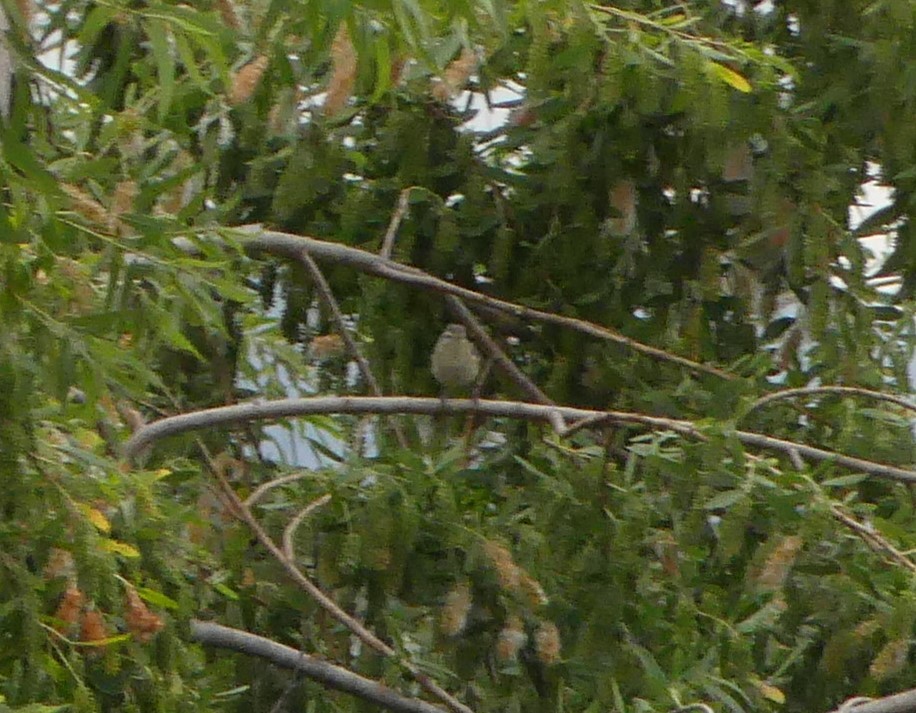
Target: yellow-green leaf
[
  {"x": 100, "y": 643},
  {"x": 730, "y": 77},
  {"x": 771, "y": 693},
  {"x": 96, "y": 518},
  {"x": 120, "y": 548}
]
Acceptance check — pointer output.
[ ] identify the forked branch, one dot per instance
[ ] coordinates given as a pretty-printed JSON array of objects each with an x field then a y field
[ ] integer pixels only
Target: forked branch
[{"x": 257, "y": 239}]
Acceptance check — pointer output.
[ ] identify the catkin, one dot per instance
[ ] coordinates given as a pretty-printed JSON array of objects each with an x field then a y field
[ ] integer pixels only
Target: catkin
[{"x": 343, "y": 72}]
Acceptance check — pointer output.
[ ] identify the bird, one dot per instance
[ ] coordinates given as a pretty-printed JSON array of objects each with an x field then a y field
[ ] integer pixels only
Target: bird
[{"x": 455, "y": 361}]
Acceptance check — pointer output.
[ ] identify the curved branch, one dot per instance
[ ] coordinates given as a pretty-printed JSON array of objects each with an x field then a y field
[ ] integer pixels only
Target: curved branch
[
  {"x": 257, "y": 239},
  {"x": 290, "y": 408},
  {"x": 289, "y": 532},
  {"x": 262, "y": 489},
  {"x": 327, "y": 674},
  {"x": 817, "y": 390}
]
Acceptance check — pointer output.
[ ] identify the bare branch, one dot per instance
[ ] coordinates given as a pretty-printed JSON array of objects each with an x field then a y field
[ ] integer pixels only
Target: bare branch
[
  {"x": 796, "y": 460},
  {"x": 870, "y": 467},
  {"x": 263, "y": 489},
  {"x": 290, "y": 408},
  {"x": 289, "y": 532},
  {"x": 324, "y": 289},
  {"x": 256, "y": 239},
  {"x": 395, "y": 223},
  {"x": 587, "y": 422},
  {"x": 327, "y": 674},
  {"x": 818, "y": 390},
  {"x": 874, "y": 539}
]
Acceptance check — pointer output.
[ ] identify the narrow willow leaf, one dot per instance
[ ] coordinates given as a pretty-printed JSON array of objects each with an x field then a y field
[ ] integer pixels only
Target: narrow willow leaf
[
  {"x": 383, "y": 67},
  {"x": 729, "y": 76},
  {"x": 158, "y": 34},
  {"x": 226, "y": 591},
  {"x": 99, "y": 521},
  {"x": 725, "y": 499},
  {"x": 120, "y": 548},
  {"x": 155, "y": 598}
]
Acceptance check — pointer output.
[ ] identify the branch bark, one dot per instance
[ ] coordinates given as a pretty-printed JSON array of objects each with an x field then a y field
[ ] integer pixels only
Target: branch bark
[
  {"x": 841, "y": 390},
  {"x": 256, "y": 239},
  {"x": 291, "y": 408},
  {"x": 324, "y": 289},
  {"x": 898, "y": 703},
  {"x": 327, "y": 674},
  {"x": 501, "y": 359}
]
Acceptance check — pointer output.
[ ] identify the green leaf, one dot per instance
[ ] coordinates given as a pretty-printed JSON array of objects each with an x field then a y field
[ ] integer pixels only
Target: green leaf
[
  {"x": 97, "y": 19},
  {"x": 725, "y": 499},
  {"x": 226, "y": 591},
  {"x": 158, "y": 33},
  {"x": 187, "y": 18},
  {"x": 35, "y": 708},
  {"x": 382, "y": 69},
  {"x": 189, "y": 61},
  {"x": 20, "y": 156},
  {"x": 151, "y": 596}
]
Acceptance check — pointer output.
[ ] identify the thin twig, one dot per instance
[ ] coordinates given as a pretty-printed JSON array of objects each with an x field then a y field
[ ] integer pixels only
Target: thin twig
[
  {"x": 289, "y": 532},
  {"x": 796, "y": 460},
  {"x": 327, "y": 674},
  {"x": 395, "y": 223},
  {"x": 502, "y": 360},
  {"x": 262, "y": 489},
  {"x": 874, "y": 539},
  {"x": 291, "y": 408},
  {"x": 324, "y": 289},
  {"x": 703, "y": 707},
  {"x": 818, "y": 390},
  {"x": 326, "y": 603},
  {"x": 587, "y": 422},
  {"x": 280, "y": 703},
  {"x": 256, "y": 238}
]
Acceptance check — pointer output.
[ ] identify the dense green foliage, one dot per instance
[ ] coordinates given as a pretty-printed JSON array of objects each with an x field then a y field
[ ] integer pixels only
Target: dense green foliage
[{"x": 678, "y": 172}]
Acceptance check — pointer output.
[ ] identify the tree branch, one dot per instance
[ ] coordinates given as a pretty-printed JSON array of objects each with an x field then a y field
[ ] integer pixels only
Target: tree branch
[
  {"x": 818, "y": 390},
  {"x": 289, "y": 532},
  {"x": 257, "y": 239},
  {"x": 262, "y": 489},
  {"x": 327, "y": 674},
  {"x": 898, "y": 703},
  {"x": 501, "y": 359},
  {"x": 395, "y": 223},
  {"x": 874, "y": 539},
  {"x": 291, "y": 408},
  {"x": 324, "y": 289}
]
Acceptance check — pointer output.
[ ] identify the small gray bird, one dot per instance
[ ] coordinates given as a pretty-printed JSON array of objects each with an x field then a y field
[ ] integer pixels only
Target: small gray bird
[{"x": 455, "y": 361}]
